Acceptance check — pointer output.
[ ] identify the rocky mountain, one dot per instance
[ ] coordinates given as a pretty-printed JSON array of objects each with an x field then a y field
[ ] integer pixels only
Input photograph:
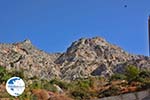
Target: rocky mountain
[
  {"x": 24, "y": 56},
  {"x": 85, "y": 57}
]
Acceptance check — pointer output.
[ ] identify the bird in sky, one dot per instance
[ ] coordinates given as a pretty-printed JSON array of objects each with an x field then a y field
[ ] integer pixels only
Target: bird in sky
[{"x": 125, "y": 6}]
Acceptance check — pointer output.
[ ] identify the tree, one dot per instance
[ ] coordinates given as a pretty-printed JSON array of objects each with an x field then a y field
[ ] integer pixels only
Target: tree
[{"x": 132, "y": 73}]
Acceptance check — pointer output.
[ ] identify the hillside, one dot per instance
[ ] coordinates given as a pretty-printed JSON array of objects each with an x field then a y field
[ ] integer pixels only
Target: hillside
[
  {"x": 85, "y": 57},
  {"x": 91, "y": 68}
]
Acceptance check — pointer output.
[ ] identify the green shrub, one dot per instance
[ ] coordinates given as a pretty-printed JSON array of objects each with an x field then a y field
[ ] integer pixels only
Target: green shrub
[
  {"x": 61, "y": 84},
  {"x": 4, "y": 75},
  {"x": 79, "y": 89},
  {"x": 34, "y": 97},
  {"x": 84, "y": 84},
  {"x": 49, "y": 87},
  {"x": 80, "y": 95},
  {"x": 132, "y": 73},
  {"x": 17, "y": 73},
  {"x": 144, "y": 74},
  {"x": 36, "y": 85},
  {"x": 118, "y": 76},
  {"x": 2, "y": 69},
  {"x": 23, "y": 96}
]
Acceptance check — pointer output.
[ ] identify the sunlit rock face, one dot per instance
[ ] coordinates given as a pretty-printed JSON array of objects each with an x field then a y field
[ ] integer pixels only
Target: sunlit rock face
[
  {"x": 91, "y": 56},
  {"x": 85, "y": 57},
  {"x": 24, "y": 56}
]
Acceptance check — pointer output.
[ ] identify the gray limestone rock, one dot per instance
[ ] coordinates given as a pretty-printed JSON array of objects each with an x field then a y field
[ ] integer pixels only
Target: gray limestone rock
[{"x": 85, "y": 57}]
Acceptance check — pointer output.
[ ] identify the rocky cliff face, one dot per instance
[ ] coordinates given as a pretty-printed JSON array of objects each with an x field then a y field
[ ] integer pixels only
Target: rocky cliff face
[
  {"x": 85, "y": 57},
  {"x": 24, "y": 56}
]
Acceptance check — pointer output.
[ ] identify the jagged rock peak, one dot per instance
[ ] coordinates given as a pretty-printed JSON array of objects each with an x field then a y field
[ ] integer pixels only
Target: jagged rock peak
[
  {"x": 89, "y": 40},
  {"x": 84, "y": 43},
  {"x": 27, "y": 41}
]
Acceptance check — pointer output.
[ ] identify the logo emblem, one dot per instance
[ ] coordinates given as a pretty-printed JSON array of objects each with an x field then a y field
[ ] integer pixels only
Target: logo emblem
[{"x": 15, "y": 86}]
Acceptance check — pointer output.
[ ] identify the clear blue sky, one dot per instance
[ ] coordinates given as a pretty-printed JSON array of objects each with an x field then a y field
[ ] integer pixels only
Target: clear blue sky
[{"x": 52, "y": 25}]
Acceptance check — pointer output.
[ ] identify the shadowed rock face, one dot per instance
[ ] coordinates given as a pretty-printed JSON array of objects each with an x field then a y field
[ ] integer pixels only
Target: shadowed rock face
[{"x": 85, "y": 57}]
